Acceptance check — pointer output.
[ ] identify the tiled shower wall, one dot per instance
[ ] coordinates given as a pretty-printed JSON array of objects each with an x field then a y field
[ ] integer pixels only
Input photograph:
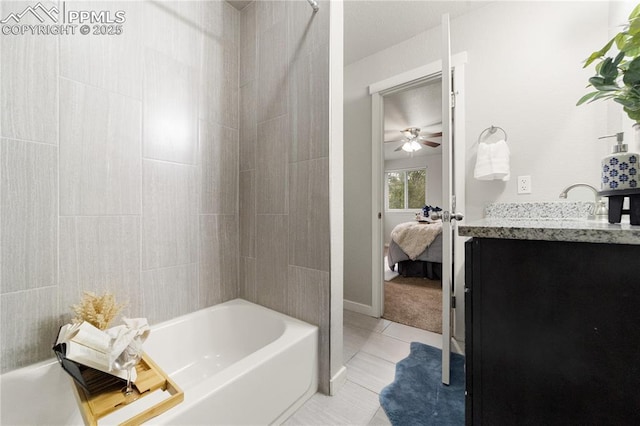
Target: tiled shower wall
[
  {"x": 284, "y": 162},
  {"x": 119, "y": 170}
]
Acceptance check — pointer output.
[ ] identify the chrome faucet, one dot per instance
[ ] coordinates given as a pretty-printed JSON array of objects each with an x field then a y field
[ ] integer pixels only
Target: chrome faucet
[{"x": 599, "y": 210}]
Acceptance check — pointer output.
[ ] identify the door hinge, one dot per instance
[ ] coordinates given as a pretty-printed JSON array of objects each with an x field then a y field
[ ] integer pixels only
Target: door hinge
[
  {"x": 453, "y": 99},
  {"x": 379, "y": 215},
  {"x": 453, "y": 302}
]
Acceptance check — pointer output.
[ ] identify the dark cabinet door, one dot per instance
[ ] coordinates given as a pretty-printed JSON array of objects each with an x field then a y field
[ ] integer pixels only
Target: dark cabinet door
[{"x": 553, "y": 333}]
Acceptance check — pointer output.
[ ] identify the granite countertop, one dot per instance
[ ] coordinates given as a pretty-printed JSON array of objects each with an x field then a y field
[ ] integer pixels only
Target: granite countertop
[{"x": 552, "y": 229}]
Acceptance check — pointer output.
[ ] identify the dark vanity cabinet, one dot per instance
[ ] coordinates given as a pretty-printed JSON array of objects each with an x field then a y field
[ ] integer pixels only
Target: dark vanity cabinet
[{"x": 552, "y": 333}]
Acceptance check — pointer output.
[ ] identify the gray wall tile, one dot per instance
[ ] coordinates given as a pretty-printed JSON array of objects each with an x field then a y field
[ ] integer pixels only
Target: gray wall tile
[
  {"x": 29, "y": 325},
  {"x": 112, "y": 62},
  {"x": 174, "y": 28},
  {"x": 248, "y": 44},
  {"x": 99, "y": 151},
  {"x": 248, "y": 284},
  {"x": 219, "y": 69},
  {"x": 273, "y": 72},
  {"x": 169, "y": 220},
  {"x": 170, "y": 109},
  {"x": 218, "y": 279},
  {"x": 132, "y": 227},
  {"x": 271, "y": 166},
  {"x": 169, "y": 292},
  {"x": 309, "y": 105},
  {"x": 100, "y": 254},
  {"x": 248, "y": 125},
  {"x": 28, "y": 92},
  {"x": 29, "y": 209},
  {"x": 219, "y": 170},
  {"x": 308, "y": 299},
  {"x": 248, "y": 213},
  {"x": 272, "y": 261},
  {"x": 309, "y": 236},
  {"x": 270, "y": 14}
]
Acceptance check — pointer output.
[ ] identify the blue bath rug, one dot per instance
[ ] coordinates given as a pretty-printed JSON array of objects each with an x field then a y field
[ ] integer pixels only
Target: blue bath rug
[{"x": 417, "y": 395}]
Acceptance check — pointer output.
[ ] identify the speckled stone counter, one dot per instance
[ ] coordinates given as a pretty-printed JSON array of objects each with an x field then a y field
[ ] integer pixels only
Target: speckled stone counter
[{"x": 577, "y": 230}]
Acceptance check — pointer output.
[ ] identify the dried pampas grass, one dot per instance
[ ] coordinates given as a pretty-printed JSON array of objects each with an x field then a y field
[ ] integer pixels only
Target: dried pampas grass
[{"x": 98, "y": 311}]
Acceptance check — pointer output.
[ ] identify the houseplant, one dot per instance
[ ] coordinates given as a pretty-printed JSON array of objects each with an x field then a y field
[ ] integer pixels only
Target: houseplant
[{"x": 618, "y": 77}]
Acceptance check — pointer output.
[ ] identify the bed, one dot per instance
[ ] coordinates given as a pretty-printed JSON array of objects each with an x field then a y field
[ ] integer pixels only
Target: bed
[{"x": 427, "y": 263}]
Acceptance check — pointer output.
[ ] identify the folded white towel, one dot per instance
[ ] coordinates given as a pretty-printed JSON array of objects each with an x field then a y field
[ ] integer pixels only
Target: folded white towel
[{"x": 493, "y": 161}]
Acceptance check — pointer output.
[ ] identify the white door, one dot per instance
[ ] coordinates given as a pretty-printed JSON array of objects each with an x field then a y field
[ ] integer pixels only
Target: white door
[{"x": 452, "y": 182}]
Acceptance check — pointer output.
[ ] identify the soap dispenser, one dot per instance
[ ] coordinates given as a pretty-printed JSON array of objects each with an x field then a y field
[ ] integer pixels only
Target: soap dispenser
[{"x": 620, "y": 168}]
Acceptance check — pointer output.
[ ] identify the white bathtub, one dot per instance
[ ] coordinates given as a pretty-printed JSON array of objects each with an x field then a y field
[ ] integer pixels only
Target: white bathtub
[{"x": 237, "y": 363}]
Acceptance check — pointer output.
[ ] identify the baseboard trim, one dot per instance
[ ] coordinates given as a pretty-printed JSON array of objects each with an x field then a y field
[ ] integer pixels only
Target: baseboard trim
[
  {"x": 337, "y": 381},
  {"x": 358, "y": 307}
]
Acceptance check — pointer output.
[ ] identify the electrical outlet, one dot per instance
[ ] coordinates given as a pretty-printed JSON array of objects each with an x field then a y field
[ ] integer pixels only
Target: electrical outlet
[{"x": 524, "y": 184}]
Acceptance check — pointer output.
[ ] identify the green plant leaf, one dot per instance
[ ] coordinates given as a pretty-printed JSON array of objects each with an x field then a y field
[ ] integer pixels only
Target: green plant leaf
[
  {"x": 598, "y": 54},
  {"x": 587, "y": 97},
  {"x": 621, "y": 39},
  {"x": 608, "y": 70},
  {"x": 634, "y": 26},
  {"x": 635, "y": 13}
]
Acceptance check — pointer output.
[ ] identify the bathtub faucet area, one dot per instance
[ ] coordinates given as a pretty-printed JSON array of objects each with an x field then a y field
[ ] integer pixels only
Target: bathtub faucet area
[{"x": 599, "y": 210}]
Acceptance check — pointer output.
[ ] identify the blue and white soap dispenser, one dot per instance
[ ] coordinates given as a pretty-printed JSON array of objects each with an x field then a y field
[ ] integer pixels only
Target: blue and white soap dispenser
[{"x": 620, "y": 169}]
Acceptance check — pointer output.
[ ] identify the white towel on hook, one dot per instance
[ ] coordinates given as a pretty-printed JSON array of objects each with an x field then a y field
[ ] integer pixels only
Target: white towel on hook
[{"x": 493, "y": 161}]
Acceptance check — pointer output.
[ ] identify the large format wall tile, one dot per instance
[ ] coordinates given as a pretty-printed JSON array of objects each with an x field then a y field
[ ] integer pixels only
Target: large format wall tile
[
  {"x": 271, "y": 167},
  {"x": 248, "y": 125},
  {"x": 218, "y": 259},
  {"x": 270, "y": 14},
  {"x": 221, "y": 21},
  {"x": 169, "y": 292},
  {"x": 308, "y": 299},
  {"x": 29, "y": 213},
  {"x": 174, "y": 29},
  {"x": 112, "y": 62},
  {"x": 170, "y": 109},
  {"x": 169, "y": 219},
  {"x": 248, "y": 284},
  {"x": 248, "y": 44},
  {"x": 309, "y": 236},
  {"x": 273, "y": 72},
  {"x": 99, "y": 151},
  {"x": 309, "y": 104},
  {"x": 219, "y": 169},
  {"x": 219, "y": 83},
  {"x": 33, "y": 321},
  {"x": 272, "y": 261},
  {"x": 248, "y": 213},
  {"x": 29, "y": 86},
  {"x": 219, "y": 69},
  {"x": 100, "y": 254}
]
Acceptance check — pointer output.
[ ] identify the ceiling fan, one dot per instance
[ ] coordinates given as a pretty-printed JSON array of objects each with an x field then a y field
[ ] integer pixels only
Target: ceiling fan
[{"x": 414, "y": 139}]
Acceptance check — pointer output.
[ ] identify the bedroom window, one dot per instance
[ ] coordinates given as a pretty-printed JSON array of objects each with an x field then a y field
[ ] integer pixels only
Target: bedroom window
[{"x": 406, "y": 189}]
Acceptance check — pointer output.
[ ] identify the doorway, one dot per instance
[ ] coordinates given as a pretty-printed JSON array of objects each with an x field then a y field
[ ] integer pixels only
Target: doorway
[
  {"x": 412, "y": 185},
  {"x": 398, "y": 83}
]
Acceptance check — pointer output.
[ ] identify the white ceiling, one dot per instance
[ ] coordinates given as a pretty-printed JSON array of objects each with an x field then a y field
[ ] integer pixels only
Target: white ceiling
[
  {"x": 416, "y": 107},
  {"x": 374, "y": 25}
]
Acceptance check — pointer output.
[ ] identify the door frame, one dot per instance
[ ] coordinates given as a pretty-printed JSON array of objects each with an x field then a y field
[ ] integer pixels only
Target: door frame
[{"x": 377, "y": 91}]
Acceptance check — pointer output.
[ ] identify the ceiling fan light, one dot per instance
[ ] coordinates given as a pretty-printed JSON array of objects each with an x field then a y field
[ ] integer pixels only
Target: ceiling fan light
[
  {"x": 415, "y": 146},
  {"x": 407, "y": 147}
]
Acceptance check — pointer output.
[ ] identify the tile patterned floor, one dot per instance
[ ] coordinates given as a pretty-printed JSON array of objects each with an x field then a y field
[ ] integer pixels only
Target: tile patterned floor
[{"x": 372, "y": 347}]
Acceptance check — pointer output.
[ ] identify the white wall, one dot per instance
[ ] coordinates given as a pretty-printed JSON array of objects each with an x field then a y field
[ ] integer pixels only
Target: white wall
[
  {"x": 434, "y": 188},
  {"x": 524, "y": 74}
]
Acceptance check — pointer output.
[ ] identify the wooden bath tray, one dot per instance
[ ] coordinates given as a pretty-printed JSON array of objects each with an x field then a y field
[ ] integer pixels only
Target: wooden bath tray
[{"x": 150, "y": 379}]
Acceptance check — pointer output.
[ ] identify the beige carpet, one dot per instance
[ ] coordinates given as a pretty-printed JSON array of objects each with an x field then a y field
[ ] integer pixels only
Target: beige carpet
[{"x": 414, "y": 301}]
